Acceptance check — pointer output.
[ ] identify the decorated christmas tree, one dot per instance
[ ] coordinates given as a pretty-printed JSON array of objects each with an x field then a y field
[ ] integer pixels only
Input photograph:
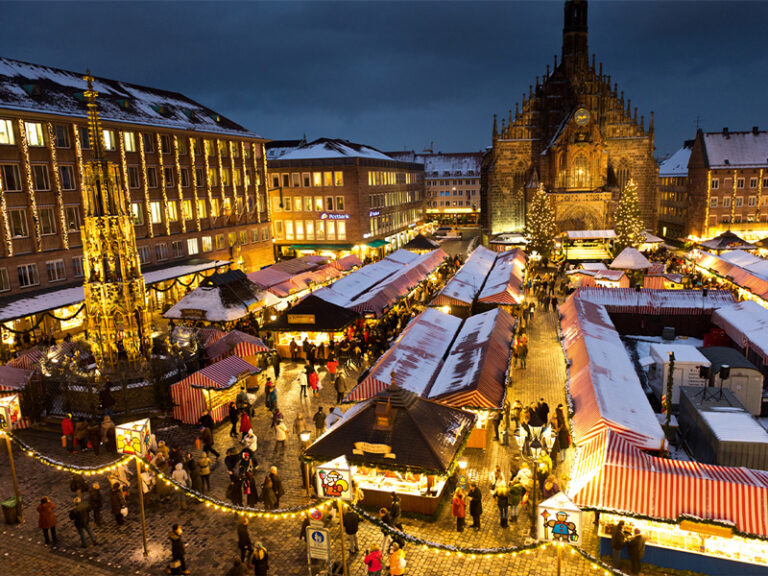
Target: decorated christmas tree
[
  {"x": 540, "y": 227},
  {"x": 630, "y": 230}
]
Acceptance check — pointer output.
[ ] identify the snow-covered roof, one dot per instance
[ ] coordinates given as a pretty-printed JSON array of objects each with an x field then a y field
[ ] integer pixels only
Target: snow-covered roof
[
  {"x": 731, "y": 425},
  {"x": 593, "y": 266},
  {"x": 677, "y": 164},
  {"x": 736, "y": 149},
  {"x": 468, "y": 281},
  {"x": 450, "y": 165},
  {"x": 746, "y": 323},
  {"x": 630, "y": 259},
  {"x": 683, "y": 354},
  {"x": 504, "y": 283},
  {"x": 38, "y": 88},
  {"x": 754, "y": 277},
  {"x": 333, "y": 148},
  {"x": 590, "y": 234},
  {"x": 651, "y": 301}
]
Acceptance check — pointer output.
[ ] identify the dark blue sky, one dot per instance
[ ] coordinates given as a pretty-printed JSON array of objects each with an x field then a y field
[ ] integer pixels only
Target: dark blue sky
[{"x": 404, "y": 74}]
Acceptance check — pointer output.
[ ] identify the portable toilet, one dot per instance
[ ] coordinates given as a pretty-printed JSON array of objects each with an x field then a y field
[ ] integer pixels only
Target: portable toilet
[{"x": 688, "y": 359}]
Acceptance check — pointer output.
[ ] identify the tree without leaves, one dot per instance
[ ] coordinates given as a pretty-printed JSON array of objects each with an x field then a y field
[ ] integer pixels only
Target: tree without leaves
[
  {"x": 630, "y": 230},
  {"x": 540, "y": 227}
]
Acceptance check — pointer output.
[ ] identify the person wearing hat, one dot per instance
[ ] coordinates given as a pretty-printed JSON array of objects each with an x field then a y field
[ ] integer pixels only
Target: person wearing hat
[{"x": 259, "y": 559}]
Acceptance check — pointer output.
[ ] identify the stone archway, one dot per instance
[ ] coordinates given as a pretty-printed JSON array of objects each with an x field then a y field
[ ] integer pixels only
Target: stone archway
[{"x": 583, "y": 216}]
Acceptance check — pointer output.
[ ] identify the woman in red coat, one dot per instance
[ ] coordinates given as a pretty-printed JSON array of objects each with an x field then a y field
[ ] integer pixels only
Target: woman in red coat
[
  {"x": 245, "y": 424},
  {"x": 314, "y": 380},
  {"x": 459, "y": 509},
  {"x": 47, "y": 519}
]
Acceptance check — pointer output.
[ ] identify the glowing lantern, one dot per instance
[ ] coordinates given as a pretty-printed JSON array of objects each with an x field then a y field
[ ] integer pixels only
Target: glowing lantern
[
  {"x": 10, "y": 412},
  {"x": 133, "y": 437}
]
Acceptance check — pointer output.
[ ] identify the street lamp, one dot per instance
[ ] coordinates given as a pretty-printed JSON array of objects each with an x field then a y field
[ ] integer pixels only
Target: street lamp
[{"x": 463, "y": 464}]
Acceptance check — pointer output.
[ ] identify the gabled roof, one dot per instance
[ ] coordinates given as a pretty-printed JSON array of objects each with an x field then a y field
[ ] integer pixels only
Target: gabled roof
[
  {"x": 677, "y": 164},
  {"x": 421, "y": 242},
  {"x": 736, "y": 149},
  {"x": 333, "y": 148},
  {"x": 727, "y": 241},
  {"x": 38, "y": 88},
  {"x": 328, "y": 317},
  {"x": 630, "y": 259}
]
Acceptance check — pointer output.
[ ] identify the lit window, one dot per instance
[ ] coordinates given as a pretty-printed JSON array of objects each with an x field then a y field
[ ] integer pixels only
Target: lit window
[
  {"x": 209, "y": 149},
  {"x": 227, "y": 206},
  {"x": 144, "y": 254},
  {"x": 192, "y": 246},
  {"x": 307, "y": 203},
  {"x": 173, "y": 211},
  {"x": 7, "y": 135},
  {"x": 72, "y": 214},
  {"x": 339, "y": 203},
  {"x": 338, "y": 179},
  {"x": 18, "y": 219},
  {"x": 212, "y": 177},
  {"x": 330, "y": 230},
  {"x": 276, "y": 204},
  {"x": 327, "y": 178},
  {"x": 295, "y": 180},
  {"x": 67, "y": 177},
  {"x": 318, "y": 203},
  {"x": 202, "y": 209},
  {"x": 40, "y": 177},
  {"x": 47, "y": 222},
  {"x": 232, "y": 237},
  {"x": 225, "y": 179},
  {"x": 215, "y": 211},
  {"x": 28, "y": 275},
  {"x": 182, "y": 145},
  {"x": 254, "y": 235},
  {"x": 299, "y": 229},
  {"x": 237, "y": 177},
  {"x": 317, "y": 178},
  {"x": 157, "y": 212},
  {"x": 243, "y": 237},
  {"x": 207, "y": 243},
  {"x": 62, "y": 135},
  {"x": 109, "y": 140},
  {"x": 297, "y": 205},
  {"x": 320, "y": 229},
  {"x": 309, "y": 226},
  {"x": 223, "y": 148},
  {"x": 34, "y": 133},
  {"x": 341, "y": 230},
  {"x": 186, "y": 209},
  {"x": 129, "y": 141},
  {"x": 279, "y": 229},
  {"x": 137, "y": 213},
  {"x": 219, "y": 241},
  {"x": 289, "y": 230}
]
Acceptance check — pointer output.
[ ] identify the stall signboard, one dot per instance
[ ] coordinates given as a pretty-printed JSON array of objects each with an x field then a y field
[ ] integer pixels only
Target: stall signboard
[
  {"x": 10, "y": 412},
  {"x": 133, "y": 437},
  {"x": 559, "y": 520},
  {"x": 334, "y": 479},
  {"x": 301, "y": 318},
  {"x": 193, "y": 314},
  {"x": 318, "y": 544}
]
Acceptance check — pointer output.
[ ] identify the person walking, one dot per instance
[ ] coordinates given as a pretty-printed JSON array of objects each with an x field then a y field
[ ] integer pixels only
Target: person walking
[
  {"x": 81, "y": 435},
  {"x": 206, "y": 441},
  {"x": 617, "y": 543},
  {"x": 386, "y": 521},
  {"x": 458, "y": 509},
  {"x": 299, "y": 425},
  {"x": 516, "y": 491},
  {"x": 396, "y": 560},
  {"x": 636, "y": 550},
  {"x": 81, "y": 516},
  {"x": 204, "y": 464},
  {"x": 502, "y": 501},
  {"x": 523, "y": 352},
  {"x": 319, "y": 420},
  {"x": 277, "y": 485},
  {"x": 177, "y": 549},
  {"x": 94, "y": 436},
  {"x": 268, "y": 495},
  {"x": 281, "y": 434},
  {"x": 340, "y": 385},
  {"x": 244, "y": 539},
  {"x": 314, "y": 383},
  {"x": 475, "y": 504},
  {"x": 245, "y": 423},
  {"x": 351, "y": 526},
  {"x": 46, "y": 520},
  {"x": 332, "y": 366},
  {"x": 117, "y": 503},
  {"x": 234, "y": 416},
  {"x": 259, "y": 559},
  {"x": 373, "y": 561},
  {"x": 68, "y": 432},
  {"x": 182, "y": 478},
  {"x": 294, "y": 349},
  {"x": 95, "y": 502}
]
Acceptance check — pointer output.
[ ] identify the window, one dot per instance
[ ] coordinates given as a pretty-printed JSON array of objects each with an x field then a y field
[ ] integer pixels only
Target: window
[
  {"x": 286, "y": 180},
  {"x": 223, "y": 148},
  {"x": 77, "y": 267},
  {"x": 215, "y": 211},
  {"x": 72, "y": 215},
  {"x": 145, "y": 254},
  {"x": 156, "y": 211},
  {"x": 18, "y": 219},
  {"x": 289, "y": 230},
  {"x": 341, "y": 230},
  {"x": 137, "y": 213},
  {"x": 11, "y": 179},
  {"x": 202, "y": 209},
  {"x": 276, "y": 204},
  {"x": 235, "y": 150},
  {"x": 339, "y": 203},
  {"x": 178, "y": 248},
  {"x": 232, "y": 238},
  {"x": 306, "y": 179},
  {"x": 320, "y": 229},
  {"x": 338, "y": 179},
  {"x": 133, "y": 177},
  {"x": 181, "y": 143},
  {"x": 243, "y": 237},
  {"x": 238, "y": 177},
  {"x": 47, "y": 221},
  {"x": 186, "y": 209},
  {"x": 28, "y": 275},
  {"x": 307, "y": 203},
  {"x": 199, "y": 179},
  {"x": 739, "y": 182},
  {"x": 752, "y": 201},
  {"x": 739, "y": 201},
  {"x": 165, "y": 142},
  {"x": 152, "y": 177},
  {"x": 67, "y": 177},
  {"x": 168, "y": 173},
  {"x": 40, "y": 177},
  {"x": 85, "y": 138},
  {"x": 219, "y": 241},
  {"x": 34, "y": 132},
  {"x": 275, "y": 181},
  {"x": 173, "y": 211},
  {"x": 212, "y": 177},
  {"x": 184, "y": 178},
  {"x": 753, "y": 182},
  {"x": 62, "y": 135},
  {"x": 327, "y": 178},
  {"x": 317, "y": 178},
  {"x": 297, "y": 205},
  {"x": 330, "y": 230},
  {"x": 225, "y": 179},
  {"x": 309, "y": 227},
  {"x": 279, "y": 229},
  {"x": 227, "y": 206},
  {"x": 209, "y": 149},
  {"x": 192, "y": 246},
  {"x": 129, "y": 141},
  {"x": 149, "y": 143},
  {"x": 726, "y": 202},
  {"x": 765, "y": 182},
  {"x": 207, "y": 243},
  {"x": 254, "y": 235},
  {"x": 715, "y": 184},
  {"x": 329, "y": 203},
  {"x": 109, "y": 140},
  {"x": 295, "y": 180},
  {"x": 7, "y": 135},
  {"x": 318, "y": 203},
  {"x": 161, "y": 252},
  {"x": 299, "y": 224}
]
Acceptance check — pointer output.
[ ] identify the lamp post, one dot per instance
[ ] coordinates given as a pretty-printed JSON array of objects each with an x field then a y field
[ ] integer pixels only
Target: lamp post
[{"x": 304, "y": 436}]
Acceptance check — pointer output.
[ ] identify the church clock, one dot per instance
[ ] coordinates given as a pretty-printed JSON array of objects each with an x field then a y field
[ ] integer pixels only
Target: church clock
[{"x": 581, "y": 116}]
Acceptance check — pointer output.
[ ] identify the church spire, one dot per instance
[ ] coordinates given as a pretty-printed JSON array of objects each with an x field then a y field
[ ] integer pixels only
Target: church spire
[
  {"x": 575, "y": 51},
  {"x": 95, "y": 134}
]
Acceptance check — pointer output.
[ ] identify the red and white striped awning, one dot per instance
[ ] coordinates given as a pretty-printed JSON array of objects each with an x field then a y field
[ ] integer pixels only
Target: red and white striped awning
[
  {"x": 29, "y": 359},
  {"x": 222, "y": 374},
  {"x": 13, "y": 379},
  {"x": 611, "y": 474},
  {"x": 208, "y": 336},
  {"x": 368, "y": 388},
  {"x": 237, "y": 343}
]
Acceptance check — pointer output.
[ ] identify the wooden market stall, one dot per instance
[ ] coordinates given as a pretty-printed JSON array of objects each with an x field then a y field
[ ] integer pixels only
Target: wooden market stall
[
  {"x": 237, "y": 343},
  {"x": 398, "y": 442},
  {"x": 212, "y": 389},
  {"x": 504, "y": 285},
  {"x": 14, "y": 381},
  {"x": 460, "y": 292}
]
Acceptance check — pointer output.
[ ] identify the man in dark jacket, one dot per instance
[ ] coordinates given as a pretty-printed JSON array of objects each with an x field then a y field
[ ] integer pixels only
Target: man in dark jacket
[
  {"x": 177, "y": 548},
  {"x": 475, "y": 504},
  {"x": 243, "y": 538},
  {"x": 636, "y": 549},
  {"x": 617, "y": 543},
  {"x": 206, "y": 440},
  {"x": 319, "y": 420},
  {"x": 277, "y": 484},
  {"x": 351, "y": 526},
  {"x": 81, "y": 516}
]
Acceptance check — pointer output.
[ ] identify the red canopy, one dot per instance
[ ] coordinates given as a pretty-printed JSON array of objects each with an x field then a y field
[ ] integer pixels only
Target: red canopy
[
  {"x": 237, "y": 343},
  {"x": 222, "y": 374},
  {"x": 14, "y": 379},
  {"x": 29, "y": 359}
]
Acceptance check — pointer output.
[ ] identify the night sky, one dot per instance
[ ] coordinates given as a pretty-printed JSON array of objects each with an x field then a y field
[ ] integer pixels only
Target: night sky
[{"x": 402, "y": 75}]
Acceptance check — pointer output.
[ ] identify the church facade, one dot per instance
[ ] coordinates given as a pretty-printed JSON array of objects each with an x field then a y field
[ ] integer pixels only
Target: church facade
[{"x": 576, "y": 134}]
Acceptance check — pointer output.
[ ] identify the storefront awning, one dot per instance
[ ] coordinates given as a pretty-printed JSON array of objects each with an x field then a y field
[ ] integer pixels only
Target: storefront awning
[
  {"x": 329, "y": 247},
  {"x": 377, "y": 243}
]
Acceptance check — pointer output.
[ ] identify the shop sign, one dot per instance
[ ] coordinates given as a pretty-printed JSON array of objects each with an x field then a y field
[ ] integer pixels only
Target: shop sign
[
  {"x": 373, "y": 213},
  {"x": 332, "y": 216},
  {"x": 707, "y": 529},
  {"x": 379, "y": 449},
  {"x": 301, "y": 318},
  {"x": 318, "y": 544},
  {"x": 133, "y": 437},
  {"x": 10, "y": 412},
  {"x": 559, "y": 520},
  {"x": 193, "y": 314},
  {"x": 334, "y": 479}
]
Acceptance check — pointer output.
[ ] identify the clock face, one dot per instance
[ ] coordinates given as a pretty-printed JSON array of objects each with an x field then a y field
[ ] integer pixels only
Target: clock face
[{"x": 581, "y": 116}]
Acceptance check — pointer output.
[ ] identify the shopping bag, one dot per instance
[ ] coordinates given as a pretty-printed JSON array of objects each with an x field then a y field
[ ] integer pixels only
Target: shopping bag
[{"x": 63, "y": 441}]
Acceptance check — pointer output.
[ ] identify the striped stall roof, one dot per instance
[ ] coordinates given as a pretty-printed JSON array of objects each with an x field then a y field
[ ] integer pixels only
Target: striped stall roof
[
  {"x": 222, "y": 374},
  {"x": 208, "y": 336},
  {"x": 468, "y": 281},
  {"x": 14, "y": 379},
  {"x": 656, "y": 302},
  {"x": 29, "y": 359},
  {"x": 236, "y": 343},
  {"x": 504, "y": 284}
]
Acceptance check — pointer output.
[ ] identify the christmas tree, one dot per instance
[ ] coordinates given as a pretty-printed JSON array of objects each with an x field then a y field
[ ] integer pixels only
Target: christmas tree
[
  {"x": 630, "y": 230},
  {"x": 540, "y": 227}
]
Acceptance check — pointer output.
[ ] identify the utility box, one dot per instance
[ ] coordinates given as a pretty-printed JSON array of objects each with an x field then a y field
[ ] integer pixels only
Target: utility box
[
  {"x": 744, "y": 380},
  {"x": 688, "y": 359}
]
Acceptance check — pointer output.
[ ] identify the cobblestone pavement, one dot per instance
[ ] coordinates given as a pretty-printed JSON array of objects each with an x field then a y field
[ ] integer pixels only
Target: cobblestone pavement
[{"x": 210, "y": 535}]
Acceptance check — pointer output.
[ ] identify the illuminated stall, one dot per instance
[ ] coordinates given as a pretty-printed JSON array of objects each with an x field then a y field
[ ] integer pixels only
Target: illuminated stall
[
  {"x": 398, "y": 442},
  {"x": 236, "y": 343},
  {"x": 459, "y": 293}
]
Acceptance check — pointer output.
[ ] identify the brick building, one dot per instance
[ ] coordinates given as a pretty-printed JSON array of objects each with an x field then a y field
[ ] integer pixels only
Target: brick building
[
  {"x": 673, "y": 199},
  {"x": 727, "y": 181},
  {"x": 576, "y": 134},
  {"x": 335, "y": 196},
  {"x": 194, "y": 180},
  {"x": 452, "y": 183}
]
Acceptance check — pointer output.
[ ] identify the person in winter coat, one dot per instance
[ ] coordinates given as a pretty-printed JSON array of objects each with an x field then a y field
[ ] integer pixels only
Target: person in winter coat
[
  {"x": 244, "y": 538},
  {"x": 204, "y": 464},
  {"x": 162, "y": 449},
  {"x": 234, "y": 416},
  {"x": 314, "y": 383},
  {"x": 78, "y": 484},
  {"x": 319, "y": 420},
  {"x": 250, "y": 441},
  {"x": 193, "y": 470},
  {"x": 245, "y": 424},
  {"x": 81, "y": 435},
  {"x": 117, "y": 503},
  {"x": 636, "y": 550},
  {"x": 177, "y": 548},
  {"x": 373, "y": 561},
  {"x": 206, "y": 440},
  {"x": 46, "y": 520},
  {"x": 180, "y": 475},
  {"x": 281, "y": 434},
  {"x": 340, "y": 385},
  {"x": 81, "y": 516},
  {"x": 516, "y": 491},
  {"x": 268, "y": 494},
  {"x": 475, "y": 504},
  {"x": 95, "y": 501},
  {"x": 68, "y": 431},
  {"x": 238, "y": 568},
  {"x": 502, "y": 501},
  {"x": 259, "y": 559},
  {"x": 94, "y": 436},
  {"x": 618, "y": 539},
  {"x": 351, "y": 526},
  {"x": 522, "y": 352},
  {"x": 277, "y": 484},
  {"x": 396, "y": 560},
  {"x": 235, "y": 491},
  {"x": 162, "y": 489},
  {"x": 299, "y": 425},
  {"x": 458, "y": 509}
]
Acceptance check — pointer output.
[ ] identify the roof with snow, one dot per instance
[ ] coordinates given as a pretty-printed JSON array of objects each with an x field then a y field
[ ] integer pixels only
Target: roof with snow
[
  {"x": 752, "y": 276},
  {"x": 736, "y": 149},
  {"x": 591, "y": 234},
  {"x": 504, "y": 284},
  {"x": 677, "y": 164},
  {"x": 727, "y": 241},
  {"x": 630, "y": 259},
  {"x": 682, "y": 352},
  {"x": 38, "y": 88},
  {"x": 443, "y": 165},
  {"x": 323, "y": 148},
  {"x": 656, "y": 302},
  {"x": 746, "y": 323},
  {"x": 468, "y": 281}
]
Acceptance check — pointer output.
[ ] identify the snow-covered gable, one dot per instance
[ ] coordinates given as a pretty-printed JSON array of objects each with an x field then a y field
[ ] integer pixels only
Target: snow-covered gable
[
  {"x": 36, "y": 88},
  {"x": 506, "y": 277},
  {"x": 468, "y": 281},
  {"x": 746, "y": 323},
  {"x": 333, "y": 148},
  {"x": 591, "y": 234},
  {"x": 736, "y": 149},
  {"x": 677, "y": 164}
]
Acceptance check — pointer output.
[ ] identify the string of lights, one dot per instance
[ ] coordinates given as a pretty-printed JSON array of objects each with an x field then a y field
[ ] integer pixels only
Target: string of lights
[
  {"x": 161, "y": 170},
  {"x": 179, "y": 191},
  {"x": 195, "y": 183},
  {"x": 6, "y": 224},
  {"x": 63, "y": 232},
  {"x": 30, "y": 185},
  {"x": 145, "y": 185}
]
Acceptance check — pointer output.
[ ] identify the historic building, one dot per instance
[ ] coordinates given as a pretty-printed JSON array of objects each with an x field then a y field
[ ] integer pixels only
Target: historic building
[
  {"x": 673, "y": 198},
  {"x": 576, "y": 134},
  {"x": 334, "y": 196},
  {"x": 194, "y": 180},
  {"x": 452, "y": 183}
]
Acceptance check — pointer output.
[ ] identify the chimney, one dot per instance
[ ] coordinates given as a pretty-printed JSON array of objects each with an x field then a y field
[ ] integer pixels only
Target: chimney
[
  {"x": 725, "y": 132},
  {"x": 755, "y": 130}
]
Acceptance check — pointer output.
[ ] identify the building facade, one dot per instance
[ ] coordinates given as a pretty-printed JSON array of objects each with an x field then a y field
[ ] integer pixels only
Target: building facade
[
  {"x": 576, "y": 134},
  {"x": 452, "y": 184},
  {"x": 727, "y": 184},
  {"x": 673, "y": 199},
  {"x": 335, "y": 196}
]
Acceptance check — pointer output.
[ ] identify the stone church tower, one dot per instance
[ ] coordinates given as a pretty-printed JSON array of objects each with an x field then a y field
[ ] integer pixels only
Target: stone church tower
[{"x": 577, "y": 135}]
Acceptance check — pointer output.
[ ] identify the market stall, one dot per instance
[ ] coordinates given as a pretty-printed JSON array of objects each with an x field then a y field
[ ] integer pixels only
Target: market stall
[
  {"x": 460, "y": 292},
  {"x": 236, "y": 343},
  {"x": 212, "y": 389},
  {"x": 726, "y": 241},
  {"x": 14, "y": 381},
  {"x": 398, "y": 442},
  {"x": 698, "y": 517},
  {"x": 504, "y": 284}
]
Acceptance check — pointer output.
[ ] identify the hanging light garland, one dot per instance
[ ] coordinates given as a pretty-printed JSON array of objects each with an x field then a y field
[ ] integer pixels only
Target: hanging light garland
[
  {"x": 166, "y": 219},
  {"x": 268, "y": 204},
  {"x": 196, "y": 212},
  {"x": 209, "y": 188},
  {"x": 231, "y": 146},
  {"x": 124, "y": 167},
  {"x": 147, "y": 210},
  {"x": 221, "y": 175},
  {"x": 179, "y": 191},
  {"x": 30, "y": 187},
  {"x": 81, "y": 168},
  {"x": 244, "y": 168},
  {"x": 256, "y": 181},
  {"x": 64, "y": 235},
  {"x": 6, "y": 224}
]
